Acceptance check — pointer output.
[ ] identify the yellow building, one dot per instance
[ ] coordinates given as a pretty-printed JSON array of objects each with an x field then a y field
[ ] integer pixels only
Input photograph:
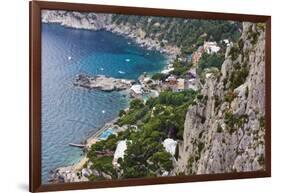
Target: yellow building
[{"x": 180, "y": 84}]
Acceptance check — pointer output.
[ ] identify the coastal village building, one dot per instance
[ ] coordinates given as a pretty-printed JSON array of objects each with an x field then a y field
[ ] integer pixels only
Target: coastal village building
[
  {"x": 208, "y": 47},
  {"x": 176, "y": 85},
  {"x": 119, "y": 152},
  {"x": 171, "y": 79},
  {"x": 181, "y": 86},
  {"x": 171, "y": 83},
  {"x": 211, "y": 47},
  {"x": 136, "y": 89},
  {"x": 170, "y": 146}
]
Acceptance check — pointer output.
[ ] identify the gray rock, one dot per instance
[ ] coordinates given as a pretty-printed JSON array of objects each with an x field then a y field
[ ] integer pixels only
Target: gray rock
[{"x": 231, "y": 148}]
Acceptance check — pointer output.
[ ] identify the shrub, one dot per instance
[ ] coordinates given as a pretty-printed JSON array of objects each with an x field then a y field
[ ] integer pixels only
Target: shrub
[
  {"x": 201, "y": 146},
  {"x": 121, "y": 113},
  {"x": 219, "y": 129},
  {"x": 136, "y": 103},
  {"x": 210, "y": 61},
  {"x": 217, "y": 101},
  {"x": 229, "y": 96},
  {"x": 254, "y": 36},
  {"x": 238, "y": 77},
  {"x": 94, "y": 178},
  {"x": 229, "y": 119},
  {"x": 163, "y": 160},
  {"x": 261, "y": 26},
  {"x": 234, "y": 52},
  {"x": 200, "y": 97},
  {"x": 262, "y": 122},
  {"x": 159, "y": 76},
  {"x": 241, "y": 120},
  {"x": 241, "y": 44}
]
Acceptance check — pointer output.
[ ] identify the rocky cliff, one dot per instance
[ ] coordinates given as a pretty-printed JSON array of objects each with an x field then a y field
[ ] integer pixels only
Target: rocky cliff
[
  {"x": 91, "y": 21},
  {"x": 224, "y": 130}
]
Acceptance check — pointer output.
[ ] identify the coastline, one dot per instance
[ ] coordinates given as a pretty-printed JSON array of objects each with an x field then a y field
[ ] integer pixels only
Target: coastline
[
  {"x": 69, "y": 172},
  {"x": 99, "y": 21},
  {"x": 137, "y": 36},
  {"x": 234, "y": 102}
]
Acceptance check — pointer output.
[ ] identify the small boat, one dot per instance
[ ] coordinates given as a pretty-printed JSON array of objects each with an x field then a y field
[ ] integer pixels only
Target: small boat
[
  {"x": 129, "y": 43},
  {"x": 121, "y": 72},
  {"x": 101, "y": 69},
  {"x": 103, "y": 111},
  {"x": 69, "y": 58},
  {"x": 127, "y": 60}
]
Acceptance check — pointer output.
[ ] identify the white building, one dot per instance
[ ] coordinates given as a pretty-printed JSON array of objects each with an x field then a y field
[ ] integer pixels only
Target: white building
[
  {"x": 211, "y": 47},
  {"x": 137, "y": 89},
  {"x": 170, "y": 146},
  {"x": 119, "y": 152}
]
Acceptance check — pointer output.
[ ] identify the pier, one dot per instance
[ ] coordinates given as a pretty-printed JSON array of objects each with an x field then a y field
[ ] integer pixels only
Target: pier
[{"x": 77, "y": 145}]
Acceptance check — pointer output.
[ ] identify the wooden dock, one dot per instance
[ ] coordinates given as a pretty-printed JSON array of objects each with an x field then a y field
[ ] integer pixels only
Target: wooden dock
[{"x": 77, "y": 145}]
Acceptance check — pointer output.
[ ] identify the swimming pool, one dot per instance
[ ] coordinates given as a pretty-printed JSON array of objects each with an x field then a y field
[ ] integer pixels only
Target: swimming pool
[{"x": 106, "y": 134}]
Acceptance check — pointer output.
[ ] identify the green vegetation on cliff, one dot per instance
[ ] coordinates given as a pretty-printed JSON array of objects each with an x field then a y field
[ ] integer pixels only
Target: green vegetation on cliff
[
  {"x": 210, "y": 60},
  {"x": 187, "y": 34},
  {"x": 156, "y": 120}
]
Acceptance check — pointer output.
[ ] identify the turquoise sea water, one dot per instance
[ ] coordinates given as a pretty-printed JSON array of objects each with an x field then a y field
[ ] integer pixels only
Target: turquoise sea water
[{"x": 70, "y": 114}]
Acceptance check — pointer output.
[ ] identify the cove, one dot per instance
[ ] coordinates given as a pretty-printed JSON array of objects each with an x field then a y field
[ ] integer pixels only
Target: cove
[{"x": 71, "y": 114}]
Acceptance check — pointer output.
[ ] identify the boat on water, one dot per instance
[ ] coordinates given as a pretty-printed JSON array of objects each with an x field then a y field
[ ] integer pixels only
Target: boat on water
[{"x": 121, "y": 72}]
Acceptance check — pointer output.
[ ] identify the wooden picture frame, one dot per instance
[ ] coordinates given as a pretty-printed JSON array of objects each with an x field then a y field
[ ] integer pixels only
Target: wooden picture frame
[{"x": 35, "y": 8}]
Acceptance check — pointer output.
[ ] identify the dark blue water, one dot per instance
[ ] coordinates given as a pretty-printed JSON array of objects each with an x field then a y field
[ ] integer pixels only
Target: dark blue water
[{"x": 70, "y": 114}]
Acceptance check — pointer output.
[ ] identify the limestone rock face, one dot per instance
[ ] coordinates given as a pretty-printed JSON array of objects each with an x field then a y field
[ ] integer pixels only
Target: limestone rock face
[{"x": 224, "y": 131}]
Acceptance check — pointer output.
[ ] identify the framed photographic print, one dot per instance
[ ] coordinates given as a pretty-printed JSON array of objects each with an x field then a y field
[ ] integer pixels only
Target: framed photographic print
[{"x": 123, "y": 96}]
